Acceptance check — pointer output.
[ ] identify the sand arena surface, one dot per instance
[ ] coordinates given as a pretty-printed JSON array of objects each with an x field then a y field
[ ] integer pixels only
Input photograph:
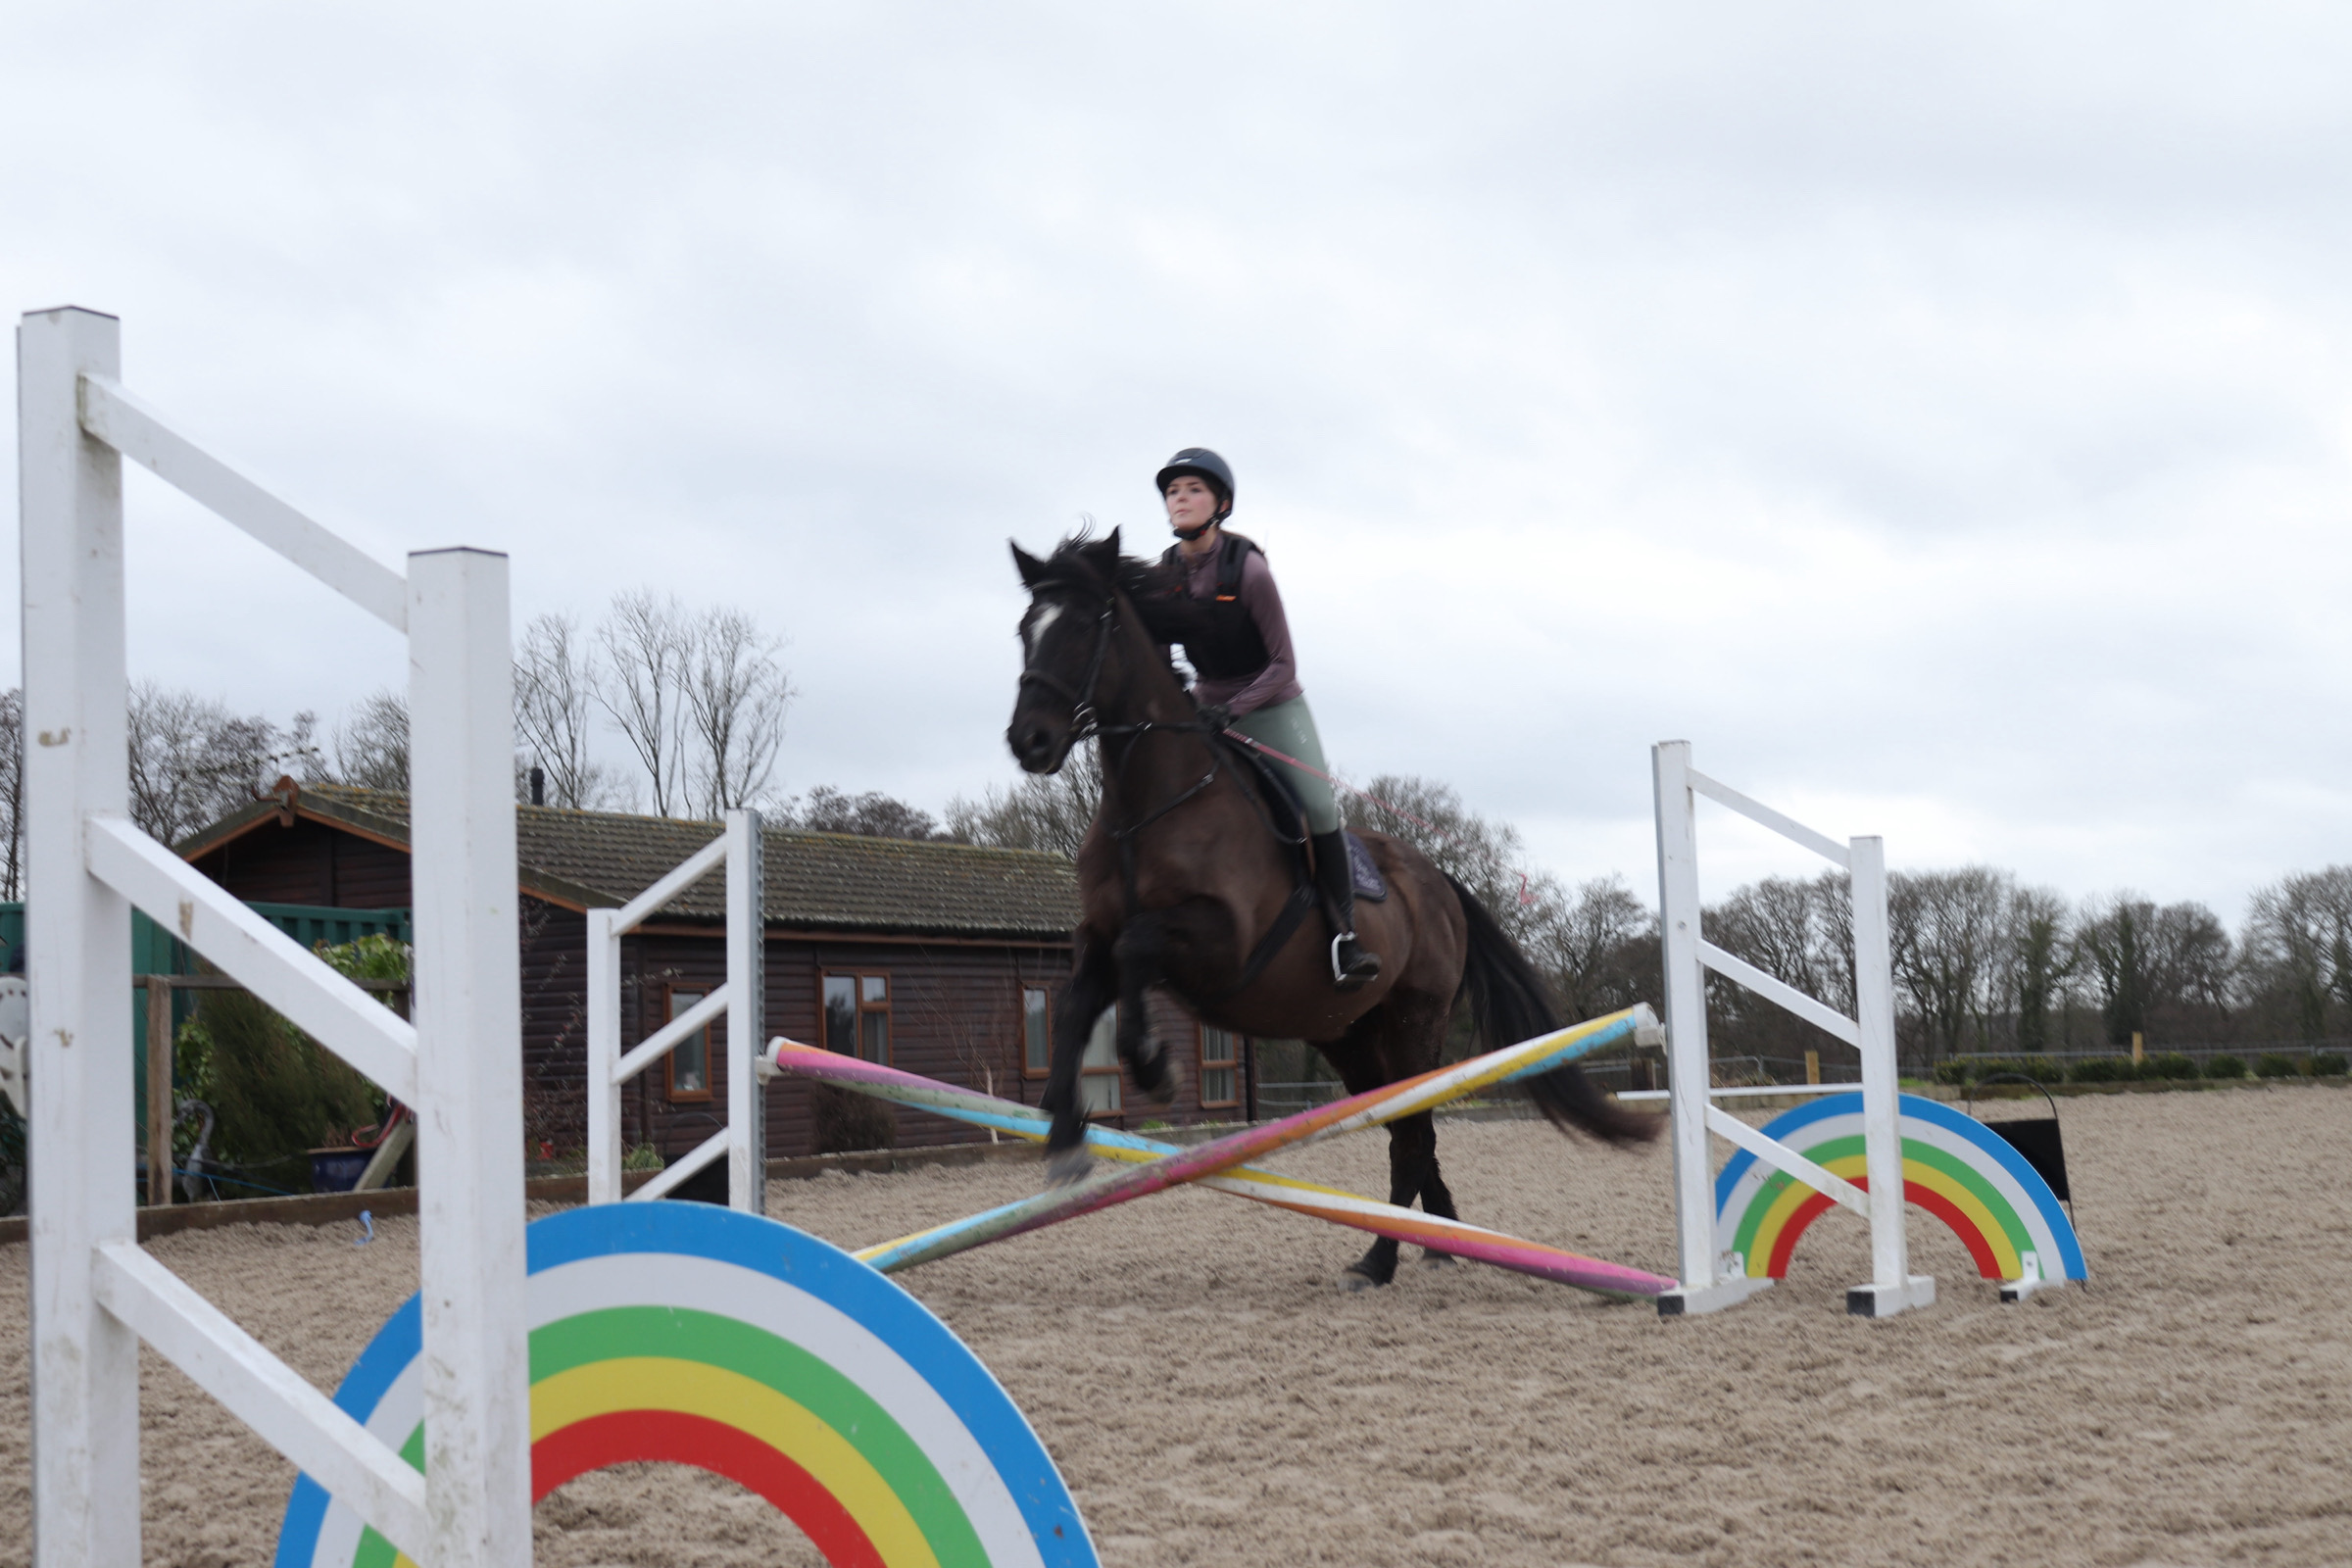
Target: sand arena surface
[{"x": 1213, "y": 1399}]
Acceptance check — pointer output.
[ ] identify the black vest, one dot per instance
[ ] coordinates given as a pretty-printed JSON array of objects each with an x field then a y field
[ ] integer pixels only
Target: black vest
[{"x": 1220, "y": 636}]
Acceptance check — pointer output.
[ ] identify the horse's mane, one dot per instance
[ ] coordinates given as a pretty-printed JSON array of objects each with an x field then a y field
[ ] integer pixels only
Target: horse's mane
[{"x": 1157, "y": 592}]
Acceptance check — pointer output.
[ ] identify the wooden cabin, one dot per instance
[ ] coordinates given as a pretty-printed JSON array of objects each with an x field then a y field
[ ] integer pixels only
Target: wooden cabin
[{"x": 938, "y": 959}]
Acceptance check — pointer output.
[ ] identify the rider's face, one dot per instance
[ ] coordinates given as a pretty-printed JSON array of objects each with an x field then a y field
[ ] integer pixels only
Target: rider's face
[{"x": 1190, "y": 500}]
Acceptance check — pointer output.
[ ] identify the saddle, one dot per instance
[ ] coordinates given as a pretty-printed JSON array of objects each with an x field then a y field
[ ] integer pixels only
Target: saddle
[{"x": 1286, "y": 816}]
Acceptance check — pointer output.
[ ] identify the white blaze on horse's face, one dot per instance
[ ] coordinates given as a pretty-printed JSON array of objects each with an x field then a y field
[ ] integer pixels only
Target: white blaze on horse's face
[{"x": 1038, "y": 624}]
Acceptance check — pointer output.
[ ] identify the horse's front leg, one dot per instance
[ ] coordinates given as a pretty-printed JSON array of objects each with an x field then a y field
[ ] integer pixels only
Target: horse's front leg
[
  {"x": 1143, "y": 960},
  {"x": 1093, "y": 984}
]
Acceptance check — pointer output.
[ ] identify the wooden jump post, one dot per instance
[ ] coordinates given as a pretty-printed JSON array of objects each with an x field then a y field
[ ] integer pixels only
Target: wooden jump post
[
  {"x": 1221, "y": 1165},
  {"x": 743, "y": 1140},
  {"x": 95, "y": 1294},
  {"x": 1710, "y": 1279}
]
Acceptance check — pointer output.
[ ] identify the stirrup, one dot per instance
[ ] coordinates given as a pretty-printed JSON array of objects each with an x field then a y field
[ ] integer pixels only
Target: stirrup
[{"x": 1353, "y": 976}]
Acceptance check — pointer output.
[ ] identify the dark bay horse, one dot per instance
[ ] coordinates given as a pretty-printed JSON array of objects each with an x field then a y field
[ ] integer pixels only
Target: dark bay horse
[{"x": 1181, "y": 875}]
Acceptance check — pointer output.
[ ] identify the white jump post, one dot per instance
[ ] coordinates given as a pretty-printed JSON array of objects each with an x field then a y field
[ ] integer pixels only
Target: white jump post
[
  {"x": 95, "y": 1293},
  {"x": 1710, "y": 1282},
  {"x": 744, "y": 1139}
]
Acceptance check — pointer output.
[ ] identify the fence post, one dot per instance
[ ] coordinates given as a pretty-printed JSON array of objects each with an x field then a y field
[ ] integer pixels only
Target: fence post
[
  {"x": 468, "y": 998},
  {"x": 162, "y": 1115},
  {"x": 747, "y": 1015},
  {"x": 1686, "y": 995},
  {"x": 86, "y": 1365},
  {"x": 604, "y": 1054},
  {"x": 1892, "y": 1286}
]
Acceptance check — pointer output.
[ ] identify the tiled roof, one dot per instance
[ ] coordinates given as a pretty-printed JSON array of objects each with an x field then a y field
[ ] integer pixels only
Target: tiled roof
[{"x": 819, "y": 881}]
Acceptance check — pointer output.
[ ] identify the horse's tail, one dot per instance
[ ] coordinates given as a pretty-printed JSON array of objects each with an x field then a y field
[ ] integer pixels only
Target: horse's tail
[{"x": 1508, "y": 1004}]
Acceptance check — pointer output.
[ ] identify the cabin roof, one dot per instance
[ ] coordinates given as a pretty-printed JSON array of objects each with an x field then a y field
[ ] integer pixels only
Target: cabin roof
[{"x": 816, "y": 881}]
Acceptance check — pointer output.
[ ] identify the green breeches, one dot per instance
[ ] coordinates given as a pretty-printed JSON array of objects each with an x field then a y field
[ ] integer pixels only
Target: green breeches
[{"x": 1290, "y": 728}]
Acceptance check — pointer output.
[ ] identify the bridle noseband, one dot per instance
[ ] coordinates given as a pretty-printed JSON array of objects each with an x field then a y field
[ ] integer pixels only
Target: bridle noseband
[{"x": 1084, "y": 723}]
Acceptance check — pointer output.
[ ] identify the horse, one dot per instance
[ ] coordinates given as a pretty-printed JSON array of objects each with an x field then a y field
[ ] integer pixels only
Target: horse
[{"x": 1183, "y": 878}]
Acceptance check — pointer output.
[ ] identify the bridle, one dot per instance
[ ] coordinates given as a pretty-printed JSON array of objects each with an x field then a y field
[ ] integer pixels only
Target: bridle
[{"x": 1085, "y": 722}]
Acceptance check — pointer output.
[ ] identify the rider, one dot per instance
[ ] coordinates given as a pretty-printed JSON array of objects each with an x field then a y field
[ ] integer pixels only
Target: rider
[{"x": 1248, "y": 678}]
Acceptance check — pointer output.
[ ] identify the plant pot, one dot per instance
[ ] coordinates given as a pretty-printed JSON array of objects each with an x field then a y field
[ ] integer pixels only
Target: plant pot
[{"x": 337, "y": 1170}]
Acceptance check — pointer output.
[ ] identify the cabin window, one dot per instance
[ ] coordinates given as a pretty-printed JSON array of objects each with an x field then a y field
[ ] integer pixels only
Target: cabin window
[
  {"x": 1098, "y": 1077},
  {"x": 1036, "y": 1032},
  {"x": 1220, "y": 1066},
  {"x": 689, "y": 1060},
  {"x": 858, "y": 1015}
]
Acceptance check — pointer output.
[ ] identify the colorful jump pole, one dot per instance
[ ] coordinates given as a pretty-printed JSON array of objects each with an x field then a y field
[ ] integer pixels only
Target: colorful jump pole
[
  {"x": 1313, "y": 1198},
  {"x": 1218, "y": 1164}
]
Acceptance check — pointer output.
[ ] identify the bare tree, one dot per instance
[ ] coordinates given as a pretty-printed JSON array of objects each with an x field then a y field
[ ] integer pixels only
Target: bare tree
[
  {"x": 1042, "y": 812},
  {"x": 1599, "y": 952},
  {"x": 646, "y": 641},
  {"x": 2300, "y": 948},
  {"x": 555, "y": 711},
  {"x": 873, "y": 816},
  {"x": 2040, "y": 958},
  {"x": 193, "y": 761},
  {"x": 1482, "y": 855},
  {"x": 736, "y": 694},
  {"x": 1949, "y": 935},
  {"x": 371, "y": 744}
]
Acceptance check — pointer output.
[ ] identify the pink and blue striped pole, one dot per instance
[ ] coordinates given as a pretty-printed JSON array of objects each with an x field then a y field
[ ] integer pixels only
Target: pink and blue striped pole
[{"x": 1220, "y": 1165}]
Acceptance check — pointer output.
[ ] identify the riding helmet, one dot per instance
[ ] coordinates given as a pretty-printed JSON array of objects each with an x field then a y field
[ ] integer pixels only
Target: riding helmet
[{"x": 1204, "y": 463}]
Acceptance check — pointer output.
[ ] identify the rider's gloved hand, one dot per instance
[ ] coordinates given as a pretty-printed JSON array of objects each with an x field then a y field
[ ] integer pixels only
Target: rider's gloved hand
[{"x": 1216, "y": 716}]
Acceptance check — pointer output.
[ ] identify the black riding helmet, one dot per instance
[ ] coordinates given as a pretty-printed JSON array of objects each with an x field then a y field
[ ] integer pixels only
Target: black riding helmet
[{"x": 1206, "y": 464}]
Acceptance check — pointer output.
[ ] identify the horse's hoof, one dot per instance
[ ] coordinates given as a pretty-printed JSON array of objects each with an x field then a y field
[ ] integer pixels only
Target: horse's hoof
[{"x": 1068, "y": 1166}]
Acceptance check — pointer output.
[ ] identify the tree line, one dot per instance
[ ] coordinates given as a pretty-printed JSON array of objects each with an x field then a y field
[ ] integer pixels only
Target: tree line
[{"x": 697, "y": 700}]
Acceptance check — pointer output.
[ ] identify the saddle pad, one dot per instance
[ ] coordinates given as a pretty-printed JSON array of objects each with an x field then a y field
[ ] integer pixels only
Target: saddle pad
[{"x": 1369, "y": 883}]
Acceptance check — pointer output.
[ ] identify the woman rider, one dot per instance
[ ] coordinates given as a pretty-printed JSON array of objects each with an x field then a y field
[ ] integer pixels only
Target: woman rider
[{"x": 1239, "y": 645}]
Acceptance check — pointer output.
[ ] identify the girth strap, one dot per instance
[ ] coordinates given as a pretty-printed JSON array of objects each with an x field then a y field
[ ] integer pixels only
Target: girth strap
[{"x": 1285, "y": 926}]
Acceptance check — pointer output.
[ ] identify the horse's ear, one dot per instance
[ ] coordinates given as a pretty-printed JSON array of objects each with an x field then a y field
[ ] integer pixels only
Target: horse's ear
[
  {"x": 1104, "y": 554},
  {"x": 1030, "y": 567}
]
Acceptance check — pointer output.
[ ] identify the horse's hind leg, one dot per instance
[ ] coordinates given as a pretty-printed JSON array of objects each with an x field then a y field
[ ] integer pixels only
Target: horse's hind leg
[
  {"x": 1412, "y": 1156},
  {"x": 1436, "y": 1200}
]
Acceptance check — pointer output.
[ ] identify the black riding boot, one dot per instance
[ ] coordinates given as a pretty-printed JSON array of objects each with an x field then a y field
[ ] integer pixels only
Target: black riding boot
[{"x": 1352, "y": 967}]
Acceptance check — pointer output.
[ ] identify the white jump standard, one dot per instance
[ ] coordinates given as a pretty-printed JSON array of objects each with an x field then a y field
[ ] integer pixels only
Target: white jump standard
[
  {"x": 1710, "y": 1279},
  {"x": 95, "y": 1294}
]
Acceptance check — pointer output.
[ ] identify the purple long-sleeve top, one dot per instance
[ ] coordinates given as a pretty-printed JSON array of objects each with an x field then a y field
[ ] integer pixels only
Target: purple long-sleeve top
[{"x": 1278, "y": 682}]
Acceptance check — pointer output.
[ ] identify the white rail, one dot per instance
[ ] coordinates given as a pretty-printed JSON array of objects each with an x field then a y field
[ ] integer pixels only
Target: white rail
[
  {"x": 1708, "y": 1281},
  {"x": 742, "y": 1142},
  {"x": 95, "y": 1294}
]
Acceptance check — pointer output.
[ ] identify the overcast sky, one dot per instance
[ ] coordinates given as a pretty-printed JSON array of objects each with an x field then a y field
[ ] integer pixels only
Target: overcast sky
[{"x": 1940, "y": 415}]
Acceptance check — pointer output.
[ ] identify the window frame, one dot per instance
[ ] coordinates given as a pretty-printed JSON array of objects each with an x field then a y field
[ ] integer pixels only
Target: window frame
[
  {"x": 1202, "y": 1066},
  {"x": 1021, "y": 1030},
  {"x": 670, "y": 1058},
  {"x": 858, "y": 979}
]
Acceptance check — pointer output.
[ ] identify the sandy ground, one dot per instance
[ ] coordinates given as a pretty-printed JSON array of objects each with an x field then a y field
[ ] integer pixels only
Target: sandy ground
[{"x": 1212, "y": 1398}]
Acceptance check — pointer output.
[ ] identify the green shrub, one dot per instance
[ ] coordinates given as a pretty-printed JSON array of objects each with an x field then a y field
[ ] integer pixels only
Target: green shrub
[
  {"x": 1953, "y": 1073},
  {"x": 2101, "y": 1070},
  {"x": 2226, "y": 1068},
  {"x": 2329, "y": 1065},
  {"x": 2277, "y": 1064},
  {"x": 2169, "y": 1065},
  {"x": 274, "y": 1093}
]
